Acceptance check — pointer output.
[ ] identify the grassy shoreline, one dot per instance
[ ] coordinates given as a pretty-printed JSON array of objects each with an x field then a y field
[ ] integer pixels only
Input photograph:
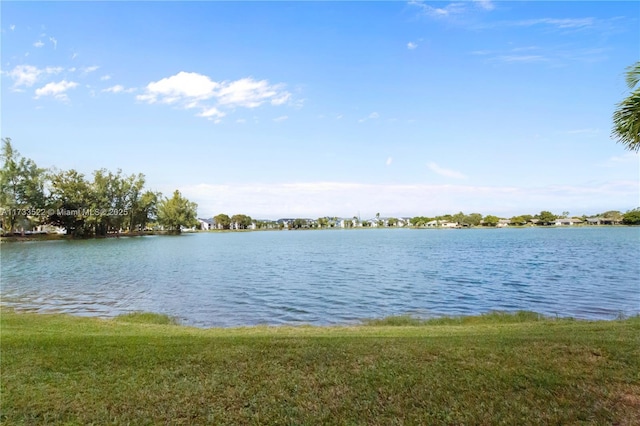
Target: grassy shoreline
[{"x": 504, "y": 369}]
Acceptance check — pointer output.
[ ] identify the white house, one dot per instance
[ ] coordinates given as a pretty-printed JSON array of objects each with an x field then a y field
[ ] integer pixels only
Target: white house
[
  {"x": 205, "y": 224},
  {"x": 441, "y": 224},
  {"x": 567, "y": 222}
]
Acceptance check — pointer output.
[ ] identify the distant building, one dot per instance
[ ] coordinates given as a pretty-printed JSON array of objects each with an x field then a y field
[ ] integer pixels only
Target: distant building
[{"x": 567, "y": 222}]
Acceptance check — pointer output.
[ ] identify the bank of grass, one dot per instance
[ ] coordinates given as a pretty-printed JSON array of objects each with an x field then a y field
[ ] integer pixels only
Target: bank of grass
[{"x": 489, "y": 369}]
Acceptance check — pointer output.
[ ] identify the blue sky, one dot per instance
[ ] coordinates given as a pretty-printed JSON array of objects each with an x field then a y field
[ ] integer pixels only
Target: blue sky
[{"x": 330, "y": 108}]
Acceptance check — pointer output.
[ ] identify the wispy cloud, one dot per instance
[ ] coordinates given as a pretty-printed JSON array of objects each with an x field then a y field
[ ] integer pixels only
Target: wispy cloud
[
  {"x": 54, "y": 42},
  {"x": 38, "y": 44},
  {"x": 521, "y": 58},
  {"x": 563, "y": 23},
  {"x": 90, "y": 69},
  {"x": 389, "y": 161},
  {"x": 374, "y": 115},
  {"x": 455, "y": 8},
  {"x": 315, "y": 199},
  {"x": 631, "y": 158},
  {"x": 212, "y": 113},
  {"x": 434, "y": 167},
  {"x": 485, "y": 4},
  {"x": 12, "y": 27},
  {"x": 57, "y": 90},
  {"x": 556, "y": 55},
  {"x": 105, "y": 77},
  {"x": 114, "y": 89},
  {"x": 411, "y": 45},
  {"x": 118, "y": 88},
  {"x": 193, "y": 90},
  {"x": 281, "y": 118},
  {"x": 27, "y": 75},
  {"x": 585, "y": 132}
]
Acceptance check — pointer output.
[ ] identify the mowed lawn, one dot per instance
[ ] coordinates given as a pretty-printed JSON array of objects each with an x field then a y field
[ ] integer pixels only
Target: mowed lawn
[{"x": 492, "y": 369}]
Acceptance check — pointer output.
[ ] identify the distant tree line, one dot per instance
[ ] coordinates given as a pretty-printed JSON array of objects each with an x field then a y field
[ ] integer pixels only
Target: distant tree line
[
  {"x": 544, "y": 218},
  {"x": 106, "y": 203}
]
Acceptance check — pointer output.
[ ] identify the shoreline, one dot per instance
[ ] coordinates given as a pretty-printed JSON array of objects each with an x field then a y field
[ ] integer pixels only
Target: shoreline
[{"x": 62, "y": 237}]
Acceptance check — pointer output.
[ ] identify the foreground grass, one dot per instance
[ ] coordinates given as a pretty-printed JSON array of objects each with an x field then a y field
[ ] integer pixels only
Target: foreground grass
[{"x": 483, "y": 370}]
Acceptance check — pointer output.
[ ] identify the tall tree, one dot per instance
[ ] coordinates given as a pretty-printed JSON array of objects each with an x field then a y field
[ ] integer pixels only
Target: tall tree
[
  {"x": 71, "y": 198},
  {"x": 222, "y": 220},
  {"x": 490, "y": 220},
  {"x": 632, "y": 217},
  {"x": 546, "y": 217},
  {"x": 21, "y": 188},
  {"x": 626, "y": 118},
  {"x": 241, "y": 221},
  {"x": 176, "y": 212}
]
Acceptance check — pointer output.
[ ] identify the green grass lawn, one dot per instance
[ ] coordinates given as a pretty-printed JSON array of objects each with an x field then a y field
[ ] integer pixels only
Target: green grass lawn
[{"x": 492, "y": 369}]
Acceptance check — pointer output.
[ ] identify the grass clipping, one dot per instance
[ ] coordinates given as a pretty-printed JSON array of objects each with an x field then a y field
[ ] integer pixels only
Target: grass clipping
[{"x": 492, "y": 369}]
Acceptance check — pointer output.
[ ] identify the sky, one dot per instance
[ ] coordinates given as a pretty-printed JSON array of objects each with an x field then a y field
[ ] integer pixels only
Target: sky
[{"x": 310, "y": 109}]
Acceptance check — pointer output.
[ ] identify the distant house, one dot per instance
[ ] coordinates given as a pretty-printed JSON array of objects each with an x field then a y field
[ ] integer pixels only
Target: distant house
[
  {"x": 603, "y": 221},
  {"x": 503, "y": 223},
  {"x": 567, "y": 222},
  {"x": 441, "y": 224},
  {"x": 206, "y": 224},
  {"x": 49, "y": 229},
  {"x": 348, "y": 223}
]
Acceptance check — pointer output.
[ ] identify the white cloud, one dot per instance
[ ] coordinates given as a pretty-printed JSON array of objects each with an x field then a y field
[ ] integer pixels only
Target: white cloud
[
  {"x": 105, "y": 77},
  {"x": 38, "y": 44},
  {"x": 281, "y": 99},
  {"x": 212, "y": 113},
  {"x": 250, "y": 93},
  {"x": 439, "y": 12},
  {"x": 24, "y": 75},
  {"x": 281, "y": 118},
  {"x": 619, "y": 160},
  {"x": 27, "y": 75},
  {"x": 374, "y": 115},
  {"x": 90, "y": 69},
  {"x": 445, "y": 172},
  {"x": 182, "y": 86},
  {"x": 411, "y": 45},
  {"x": 54, "y": 42},
  {"x": 53, "y": 70},
  {"x": 192, "y": 90},
  {"x": 57, "y": 90},
  {"x": 75, "y": 55},
  {"x": 586, "y": 132},
  {"x": 241, "y": 121},
  {"x": 12, "y": 27},
  {"x": 485, "y": 4},
  {"x": 389, "y": 161},
  {"x": 316, "y": 199},
  {"x": 558, "y": 23},
  {"x": 114, "y": 89},
  {"x": 522, "y": 58}
]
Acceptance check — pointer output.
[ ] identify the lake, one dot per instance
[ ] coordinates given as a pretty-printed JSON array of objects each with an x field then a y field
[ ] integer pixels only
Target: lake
[{"x": 332, "y": 276}]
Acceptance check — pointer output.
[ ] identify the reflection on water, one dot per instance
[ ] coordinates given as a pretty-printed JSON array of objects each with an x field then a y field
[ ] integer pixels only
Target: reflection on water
[{"x": 329, "y": 277}]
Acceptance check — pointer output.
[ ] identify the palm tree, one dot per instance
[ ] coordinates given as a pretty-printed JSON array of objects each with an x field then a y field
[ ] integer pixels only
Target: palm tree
[{"x": 626, "y": 119}]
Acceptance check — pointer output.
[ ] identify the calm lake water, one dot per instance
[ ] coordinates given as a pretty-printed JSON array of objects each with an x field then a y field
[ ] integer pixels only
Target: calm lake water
[{"x": 330, "y": 277}]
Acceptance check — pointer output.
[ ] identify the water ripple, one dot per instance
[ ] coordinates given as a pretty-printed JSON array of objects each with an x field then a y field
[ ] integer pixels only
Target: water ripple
[{"x": 330, "y": 277}]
